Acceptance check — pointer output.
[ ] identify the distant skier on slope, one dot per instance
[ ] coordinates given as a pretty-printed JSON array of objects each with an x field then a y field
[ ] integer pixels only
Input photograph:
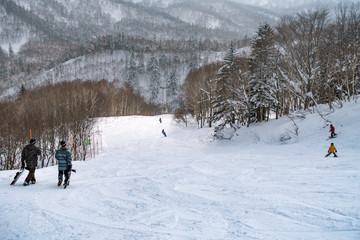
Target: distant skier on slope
[
  {"x": 332, "y": 131},
  {"x": 163, "y": 132},
  {"x": 332, "y": 150},
  {"x": 63, "y": 156},
  {"x": 30, "y": 156}
]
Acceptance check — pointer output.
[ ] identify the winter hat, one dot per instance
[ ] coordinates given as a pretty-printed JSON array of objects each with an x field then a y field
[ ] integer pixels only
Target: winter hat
[
  {"x": 63, "y": 143},
  {"x": 32, "y": 141}
]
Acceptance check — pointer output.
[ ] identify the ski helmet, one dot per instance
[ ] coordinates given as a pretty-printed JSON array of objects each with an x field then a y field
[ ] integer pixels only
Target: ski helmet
[
  {"x": 63, "y": 143},
  {"x": 32, "y": 141}
]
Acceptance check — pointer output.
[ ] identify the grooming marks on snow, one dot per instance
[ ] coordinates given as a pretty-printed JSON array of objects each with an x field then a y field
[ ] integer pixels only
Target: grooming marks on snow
[{"x": 145, "y": 186}]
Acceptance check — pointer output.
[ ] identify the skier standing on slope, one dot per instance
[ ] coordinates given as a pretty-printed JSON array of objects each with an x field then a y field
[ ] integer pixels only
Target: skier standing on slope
[
  {"x": 163, "y": 132},
  {"x": 29, "y": 156},
  {"x": 63, "y": 156},
  {"x": 332, "y": 131},
  {"x": 332, "y": 150}
]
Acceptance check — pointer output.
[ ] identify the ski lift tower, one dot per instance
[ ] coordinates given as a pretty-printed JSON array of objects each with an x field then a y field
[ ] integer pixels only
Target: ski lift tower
[{"x": 164, "y": 105}]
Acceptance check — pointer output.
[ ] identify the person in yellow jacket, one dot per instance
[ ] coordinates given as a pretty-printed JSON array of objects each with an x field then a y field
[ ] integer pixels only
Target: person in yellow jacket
[{"x": 332, "y": 149}]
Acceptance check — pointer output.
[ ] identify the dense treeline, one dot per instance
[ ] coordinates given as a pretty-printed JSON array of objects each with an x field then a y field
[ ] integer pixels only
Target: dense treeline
[
  {"x": 144, "y": 64},
  {"x": 27, "y": 16},
  {"x": 127, "y": 55},
  {"x": 51, "y": 43},
  {"x": 305, "y": 60},
  {"x": 35, "y": 56},
  {"x": 77, "y": 21},
  {"x": 55, "y": 112}
]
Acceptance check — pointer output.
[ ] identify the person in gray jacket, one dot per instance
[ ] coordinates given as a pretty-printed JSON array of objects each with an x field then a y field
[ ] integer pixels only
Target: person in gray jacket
[{"x": 29, "y": 156}]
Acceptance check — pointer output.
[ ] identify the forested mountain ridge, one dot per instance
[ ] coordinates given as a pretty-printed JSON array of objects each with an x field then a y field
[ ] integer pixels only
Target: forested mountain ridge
[
  {"x": 38, "y": 37},
  {"x": 117, "y": 40},
  {"x": 83, "y": 20},
  {"x": 87, "y": 19}
]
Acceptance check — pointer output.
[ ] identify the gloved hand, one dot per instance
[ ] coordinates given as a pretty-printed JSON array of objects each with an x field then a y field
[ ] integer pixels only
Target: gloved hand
[
  {"x": 336, "y": 151},
  {"x": 22, "y": 166}
]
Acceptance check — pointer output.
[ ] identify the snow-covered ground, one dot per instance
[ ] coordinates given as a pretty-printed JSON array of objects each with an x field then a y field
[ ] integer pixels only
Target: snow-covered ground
[{"x": 266, "y": 183}]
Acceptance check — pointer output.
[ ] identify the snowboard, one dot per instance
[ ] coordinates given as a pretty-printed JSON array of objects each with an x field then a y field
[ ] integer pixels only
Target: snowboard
[
  {"x": 17, "y": 176},
  {"x": 332, "y": 137}
]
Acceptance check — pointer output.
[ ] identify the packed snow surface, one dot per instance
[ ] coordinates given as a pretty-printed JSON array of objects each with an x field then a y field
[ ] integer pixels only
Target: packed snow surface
[{"x": 271, "y": 181}]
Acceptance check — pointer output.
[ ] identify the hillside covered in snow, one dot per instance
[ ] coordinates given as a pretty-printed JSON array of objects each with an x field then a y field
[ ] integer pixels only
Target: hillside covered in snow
[
  {"x": 271, "y": 181},
  {"x": 48, "y": 41}
]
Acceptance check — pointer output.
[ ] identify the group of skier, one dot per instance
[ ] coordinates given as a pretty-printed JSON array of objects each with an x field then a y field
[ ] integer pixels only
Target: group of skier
[
  {"x": 29, "y": 160},
  {"x": 29, "y": 156},
  {"x": 162, "y": 131},
  {"x": 332, "y": 148}
]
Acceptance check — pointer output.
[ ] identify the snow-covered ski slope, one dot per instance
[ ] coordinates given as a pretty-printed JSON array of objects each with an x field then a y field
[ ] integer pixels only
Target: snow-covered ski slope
[{"x": 266, "y": 183}]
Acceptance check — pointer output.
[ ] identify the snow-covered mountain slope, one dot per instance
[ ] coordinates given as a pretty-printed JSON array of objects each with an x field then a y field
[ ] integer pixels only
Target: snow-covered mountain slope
[
  {"x": 225, "y": 15},
  {"x": 109, "y": 65},
  {"x": 79, "y": 20},
  {"x": 28, "y": 29},
  {"x": 267, "y": 183},
  {"x": 291, "y": 6}
]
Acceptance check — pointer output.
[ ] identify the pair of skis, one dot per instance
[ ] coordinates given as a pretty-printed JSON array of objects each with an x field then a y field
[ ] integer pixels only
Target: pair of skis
[{"x": 20, "y": 172}]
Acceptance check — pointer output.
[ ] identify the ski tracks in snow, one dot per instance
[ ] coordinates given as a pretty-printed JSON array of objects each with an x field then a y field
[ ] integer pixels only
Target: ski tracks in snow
[{"x": 147, "y": 186}]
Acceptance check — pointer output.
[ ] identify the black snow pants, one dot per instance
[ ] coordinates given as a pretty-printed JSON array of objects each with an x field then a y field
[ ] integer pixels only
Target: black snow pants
[{"x": 66, "y": 173}]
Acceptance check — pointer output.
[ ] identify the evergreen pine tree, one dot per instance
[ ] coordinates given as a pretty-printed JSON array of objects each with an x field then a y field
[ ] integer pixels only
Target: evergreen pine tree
[
  {"x": 162, "y": 61},
  {"x": 173, "y": 82},
  {"x": 11, "y": 52},
  {"x": 223, "y": 104},
  {"x": 193, "y": 61},
  {"x": 263, "y": 74},
  {"x": 3, "y": 72},
  {"x": 154, "y": 71},
  {"x": 132, "y": 77},
  {"x": 141, "y": 64}
]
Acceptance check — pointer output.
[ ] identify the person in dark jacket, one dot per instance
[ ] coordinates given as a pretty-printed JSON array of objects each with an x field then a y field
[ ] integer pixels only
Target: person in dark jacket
[
  {"x": 29, "y": 156},
  {"x": 63, "y": 156},
  {"x": 163, "y": 132}
]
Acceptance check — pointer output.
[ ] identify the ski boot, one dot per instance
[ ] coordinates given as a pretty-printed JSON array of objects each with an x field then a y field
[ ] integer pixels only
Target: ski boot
[{"x": 66, "y": 183}]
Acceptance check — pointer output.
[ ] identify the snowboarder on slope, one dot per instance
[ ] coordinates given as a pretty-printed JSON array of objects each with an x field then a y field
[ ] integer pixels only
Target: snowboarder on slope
[
  {"x": 29, "y": 156},
  {"x": 163, "y": 132},
  {"x": 332, "y": 150},
  {"x": 63, "y": 156},
  {"x": 332, "y": 131}
]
